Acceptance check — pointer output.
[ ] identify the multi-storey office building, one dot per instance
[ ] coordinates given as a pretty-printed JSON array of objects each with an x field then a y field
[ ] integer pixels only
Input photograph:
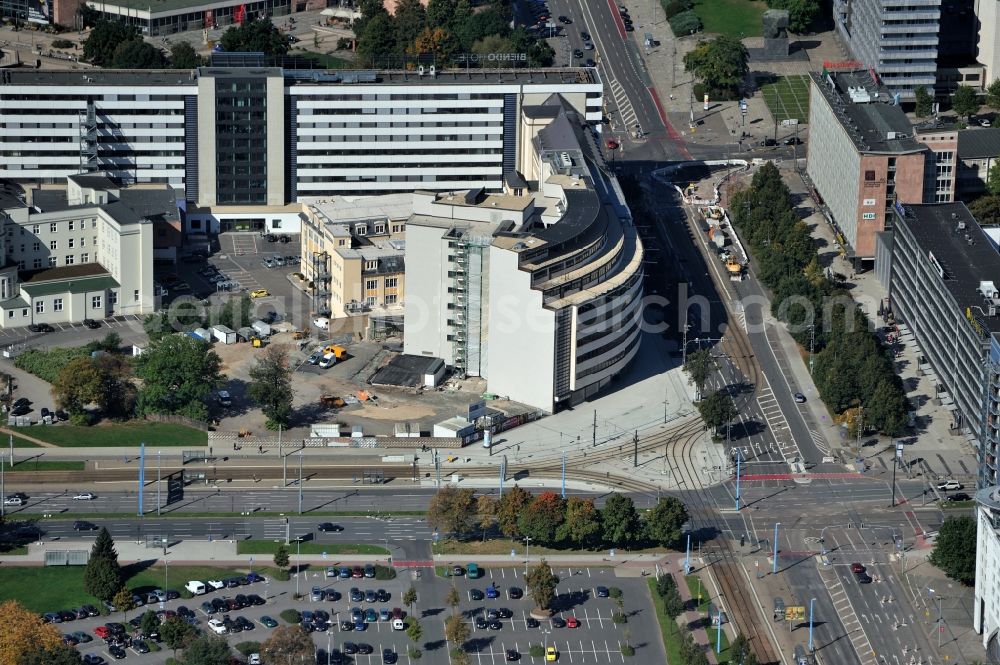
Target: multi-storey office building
[
  {"x": 986, "y": 611},
  {"x": 944, "y": 282},
  {"x": 239, "y": 140}
]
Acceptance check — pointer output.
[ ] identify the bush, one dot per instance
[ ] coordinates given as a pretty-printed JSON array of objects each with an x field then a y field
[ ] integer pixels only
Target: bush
[
  {"x": 536, "y": 651},
  {"x": 82, "y": 419},
  {"x": 385, "y": 572},
  {"x": 343, "y": 44},
  {"x": 62, "y": 43},
  {"x": 281, "y": 575},
  {"x": 185, "y": 594},
  {"x": 674, "y": 7},
  {"x": 619, "y": 617},
  {"x": 173, "y": 661},
  {"x": 628, "y": 650},
  {"x": 414, "y": 653},
  {"x": 46, "y": 364},
  {"x": 247, "y": 648},
  {"x": 153, "y": 646},
  {"x": 685, "y": 23},
  {"x": 615, "y": 592},
  {"x": 291, "y": 616}
]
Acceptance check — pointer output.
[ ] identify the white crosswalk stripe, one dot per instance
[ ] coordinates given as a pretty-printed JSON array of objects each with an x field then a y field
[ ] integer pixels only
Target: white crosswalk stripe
[{"x": 625, "y": 108}]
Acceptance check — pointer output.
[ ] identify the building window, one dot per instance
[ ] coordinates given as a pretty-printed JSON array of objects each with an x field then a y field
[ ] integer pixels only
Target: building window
[
  {"x": 390, "y": 282},
  {"x": 83, "y": 242},
  {"x": 390, "y": 299},
  {"x": 36, "y": 229},
  {"x": 36, "y": 246},
  {"x": 371, "y": 265},
  {"x": 71, "y": 243},
  {"x": 70, "y": 227},
  {"x": 869, "y": 202},
  {"x": 36, "y": 263},
  {"x": 112, "y": 298},
  {"x": 10, "y": 314},
  {"x": 70, "y": 259},
  {"x": 52, "y": 227},
  {"x": 95, "y": 302},
  {"x": 57, "y": 304},
  {"x": 53, "y": 244},
  {"x": 869, "y": 176},
  {"x": 361, "y": 229},
  {"x": 370, "y": 301},
  {"x": 135, "y": 295},
  {"x": 24, "y": 312},
  {"x": 39, "y": 307},
  {"x": 52, "y": 262},
  {"x": 379, "y": 229},
  {"x": 20, "y": 265},
  {"x": 85, "y": 258},
  {"x": 275, "y": 223},
  {"x": 397, "y": 228},
  {"x": 371, "y": 284}
]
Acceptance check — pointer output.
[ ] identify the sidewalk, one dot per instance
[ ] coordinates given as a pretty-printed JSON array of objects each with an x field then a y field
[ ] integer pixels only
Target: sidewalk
[{"x": 692, "y": 618}]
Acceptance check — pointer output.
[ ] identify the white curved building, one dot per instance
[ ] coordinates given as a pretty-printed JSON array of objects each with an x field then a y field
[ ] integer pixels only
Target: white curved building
[{"x": 539, "y": 290}]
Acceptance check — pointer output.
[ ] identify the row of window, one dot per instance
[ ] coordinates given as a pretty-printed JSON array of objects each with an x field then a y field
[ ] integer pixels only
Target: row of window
[{"x": 96, "y": 302}]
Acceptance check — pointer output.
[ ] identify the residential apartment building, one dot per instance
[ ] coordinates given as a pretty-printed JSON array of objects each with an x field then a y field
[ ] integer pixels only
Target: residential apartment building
[
  {"x": 353, "y": 254},
  {"x": 941, "y": 163},
  {"x": 978, "y": 151},
  {"x": 538, "y": 292},
  {"x": 241, "y": 143},
  {"x": 986, "y": 610},
  {"x": 943, "y": 287},
  {"x": 862, "y": 157},
  {"x": 81, "y": 251}
]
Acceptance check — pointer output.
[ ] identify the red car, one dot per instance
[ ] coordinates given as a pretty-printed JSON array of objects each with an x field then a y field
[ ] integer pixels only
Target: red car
[
  {"x": 102, "y": 632},
  {"x": 572, "y": 622},
  {"x": 612, "y": 144},
  {"x": 857, "y": 568}
]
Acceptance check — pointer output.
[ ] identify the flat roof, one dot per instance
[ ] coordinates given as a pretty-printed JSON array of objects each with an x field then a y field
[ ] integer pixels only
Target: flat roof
[
  {"x": 85, "y": 285},
  {"x": 979, "y": 143},
  {"x": 451, "y": 76},
  {"x": 103, "y": 77},
  {"x": 406, "y": 370},
  {"x": 966, "y": 255},
  {"x": 346, "y": 209},
  {"x": 869, "y": 123}
]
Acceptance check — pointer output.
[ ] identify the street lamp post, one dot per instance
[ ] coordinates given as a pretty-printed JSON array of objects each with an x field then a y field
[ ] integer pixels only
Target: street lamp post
[
  {"x": 774, "y": 565},
  {"x": 687, "y": 556},
  {"x": 158, "y": 502},
  {"x": 811, "y": 601},
  {"x": 300, "y": 482},
  {"x": 298, "y": 563},
  {"x": 527, "y": 539},
  {"x": 739, "y": 458}
]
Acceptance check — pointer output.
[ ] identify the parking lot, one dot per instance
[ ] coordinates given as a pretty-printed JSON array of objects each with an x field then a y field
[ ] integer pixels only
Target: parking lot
[{"x": 595, "y": 639}]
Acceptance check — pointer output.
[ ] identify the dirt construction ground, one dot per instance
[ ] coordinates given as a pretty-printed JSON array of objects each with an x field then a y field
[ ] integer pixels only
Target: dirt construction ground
[{"x": 346, "y": 378}]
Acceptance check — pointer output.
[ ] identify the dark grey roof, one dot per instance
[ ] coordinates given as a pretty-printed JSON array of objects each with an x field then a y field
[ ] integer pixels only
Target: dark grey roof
[
  {"x": 100, "y": 77},
  {"x": 52, "y": 200},
  {"x": 979, "y": 143},
  {"x": 869, "y": 124},
  {"x": 406, "y": 370},
  {"x": 154, "y": 204},
  {"x": 240, "y": 72},
  {"x": 966, "y": 255},
  {"x": 515, "y": 180},
  {"x": 558, "y": 134}
]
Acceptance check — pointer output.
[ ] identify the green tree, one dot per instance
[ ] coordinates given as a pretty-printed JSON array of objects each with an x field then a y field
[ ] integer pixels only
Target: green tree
[
  {"x": 992, "y": 184},
  {"x": 176, "y": 633},
  {"x": 157, "y": 326},
  {"x": 441, "y": 13},
  {"x": 699, "y": 365},
  {"x": 60, "y": 654},
  {"x": 410, "y": 598},
  {"x": 183, "y": 56},
  {"x": 452, "y": 599},
  {"x": 621, "y": 521},
  {"x": 955, "y": 549},
  {"x": 281, "y": 556},
  {"x": 686, "y": 22},
  {"x": 209, "y": 650},
  {"x": 665, "y": 522},
  {"x": 137, "y": 54},
  {"x": 509, "y": 507},
  {"x": 236, "y": 312},
  {"x": 666, "y": 587},
  {"x": 717, "y": 409},
  {"x": 887, "y": 408},
  {"x": 377, "y": 38},
  {"x": 105, "y": 37},
  {"x": 741, "y": 652},
  {"x": 456, "y": 630},
  {"x": 924, "y": 100},
  {"x": 150, "y": 623},
  {"x": 986, "y": 209},
  {"x": 77, "y": 385},
  {"x": 116, "y": 392},
  {"x": 122, "y": 600},
  {"x": 452, "y": 510},
  {"x": 539, "y": 53},
  {"x": 112, "y": 342},
  {"x": 965, "y": 101},
  {"x": 271, "y": 386},
  {"x": 721, "y": 64},
  {"x": 801, "y": 13},
  {"x": 993, "y": 94},
  {"x": 409, "y": 20},
  {"x": 256, "y": 36},
  {"x": 480, "y": 25},
  {"x": 541, "y": 518},
  {"x": 486, "y": 509},
  {"x": 178, "y": 374},
  {"x": 103, "y": 576},
  {"x": 413, "y": 629},
  {"x": 542, "y": 582},
  {"x": 582, "y": 526},
  {"x": 492, "y": 44},
  {"x": 288, "y": 643}
]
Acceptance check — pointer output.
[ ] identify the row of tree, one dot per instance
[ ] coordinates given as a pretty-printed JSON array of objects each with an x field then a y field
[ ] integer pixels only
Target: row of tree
[
  {"x": 720, "y": 65},
  {"x": 443, "y": 29},
  {"x": 177, "y": 375},
  {"x": 119, "y": 46},
  {"x": 852, "y": 369},
  {"x": 550, "y": 520}
]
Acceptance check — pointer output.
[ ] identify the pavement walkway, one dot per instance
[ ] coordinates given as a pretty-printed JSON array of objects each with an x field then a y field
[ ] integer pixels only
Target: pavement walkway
[{"x": 692, "y": 618}]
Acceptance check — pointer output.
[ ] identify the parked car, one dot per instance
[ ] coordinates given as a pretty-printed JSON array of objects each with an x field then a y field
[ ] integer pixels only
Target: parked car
[
  {"x": 268, "y": 622},
  {"x": 768, "y": 142},
  {"x": 92, "y": 324},
  {"x": 800, "y": 398},
  {"x": 959, "y": 496},
  {"x": 602, "y": 592},
  {"x": 40, "y": 328}
]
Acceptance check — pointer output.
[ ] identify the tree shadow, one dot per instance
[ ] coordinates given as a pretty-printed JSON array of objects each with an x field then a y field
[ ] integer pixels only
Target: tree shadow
[
  {"x": 132, "y": 569},
  {"x": 432, "y": 612},
  {"x": 479, "y": 643},
  {"x": 567, "y": 601}
]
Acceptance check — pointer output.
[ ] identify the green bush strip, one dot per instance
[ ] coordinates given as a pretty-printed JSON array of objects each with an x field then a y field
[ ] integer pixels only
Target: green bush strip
[{"x": 270, "y": 546}]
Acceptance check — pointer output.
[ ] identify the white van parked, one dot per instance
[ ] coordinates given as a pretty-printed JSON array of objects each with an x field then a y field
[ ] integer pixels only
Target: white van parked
[{"x": 196, "y": 587}]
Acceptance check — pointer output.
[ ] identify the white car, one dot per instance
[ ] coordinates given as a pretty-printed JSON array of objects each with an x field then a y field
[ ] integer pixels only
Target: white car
[
  {"x": 217, "y": 626},
  {"x": 253, "y": 659},
  {"x": 216, "y": 584},
  {"x": 984, "y": 122},
  {"x": 397, "y": 624},
  {"x": 327, "y": 361},
  {"x": 322, "y": 323},
  {"x": 13, "y": 501},
  {"x": 196, "y": 587},
  {"x": 949, "y": 485},
  {"x": 84, "y": 496}
]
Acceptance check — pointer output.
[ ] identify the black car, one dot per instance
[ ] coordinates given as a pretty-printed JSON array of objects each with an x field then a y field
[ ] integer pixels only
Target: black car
[
  {"x": 370, "y": 596},
  {"x": 117, "y": 652},
  {"x": 92, "y": 324},
  {"x": 20, "y": 410},
  {"x": 140, "y": 646},
  {"x": 335, "y": 657},
  {"x": 382, "y": 595},
  {"x": 346, "y": 626},
  {"x": 513, "y": 655},
  {"x": 184, "y": 612},
  {"x": 584, "y": 35},
  {"x": 41, "y": 328},
  {"x": 767, "y": 143},
  {"x": 255, "y": 600},
  {"x": 495, "y": 625},
  {"x": 565, "y": 20},
  {"x": 21, "y": 401},
  {"x": 328, "y": 526},
  {"x": 557, "y": 622},
  {"x": 602, "y": 592},
  {"x": 532, "y": 622},
  {"x": 864, "y": 578},
  {"x": 62, "y": 415},
  {"x": 242, "y": 623},
  {"x": 795, "y": 140},
  {"x": 91, "y": 611},
  {"x": 356, "y": 595},
  {"x": 481, "y": 623},
  {"x": 388, "y": 656},
  {"x": 476, "y": 594},
  {"x": 589, "y": 63},
  {"x": 504, "y": 613},
  {"x": 67, "y": 615},
  {"x": 629, "y": 27},
  {"x": 350, "y": 648},
  {"x": 84, "y": 525},
  {"x": 231, "y": 582},
  {"x": 959, "y": 496},
  {"x": 577, "y": 53}
]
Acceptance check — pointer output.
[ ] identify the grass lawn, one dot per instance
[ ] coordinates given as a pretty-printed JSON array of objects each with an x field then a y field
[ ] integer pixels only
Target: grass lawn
[
  {"x": 788, "y": 97},
  {"x": 694, "y": 585},
  {"x": 126, "y": 434},
  {"x": 61, "y": 587},
  {"x": 669, "y": 630},
  {"x": 270, "y": 546},
  {"x": 42, "y": 465},
  {"x": 18, "y": 442},
  {"x": 736, "y": 18}
]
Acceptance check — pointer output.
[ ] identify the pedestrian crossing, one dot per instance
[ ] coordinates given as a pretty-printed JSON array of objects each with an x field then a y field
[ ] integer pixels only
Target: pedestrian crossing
[
  {"x": 777, "y": 423},
  {"x": 848, "y": 617},
  {"x": 625, "y": 109}
]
